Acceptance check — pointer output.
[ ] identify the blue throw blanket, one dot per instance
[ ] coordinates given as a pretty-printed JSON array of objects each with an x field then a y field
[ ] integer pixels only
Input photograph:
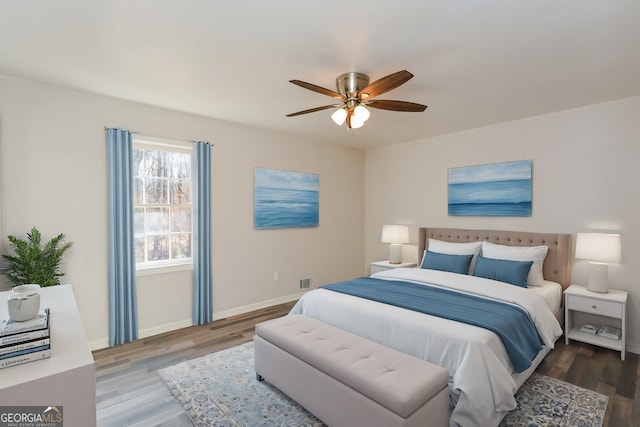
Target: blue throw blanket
[{"x": 511, "y": 323}]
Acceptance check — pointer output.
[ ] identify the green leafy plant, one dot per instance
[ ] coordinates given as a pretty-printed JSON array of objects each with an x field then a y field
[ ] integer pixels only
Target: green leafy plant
[{"x": 33, "y": 262}]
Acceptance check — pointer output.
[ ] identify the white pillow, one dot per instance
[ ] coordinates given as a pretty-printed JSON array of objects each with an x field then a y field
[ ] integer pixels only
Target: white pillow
[
  {"x": 519, "y": 253},
  {"x": 451, "y": 248}
]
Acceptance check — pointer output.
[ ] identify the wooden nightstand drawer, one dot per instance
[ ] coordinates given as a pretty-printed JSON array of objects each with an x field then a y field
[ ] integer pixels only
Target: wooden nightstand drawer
[{"x": 590, "y": 305}]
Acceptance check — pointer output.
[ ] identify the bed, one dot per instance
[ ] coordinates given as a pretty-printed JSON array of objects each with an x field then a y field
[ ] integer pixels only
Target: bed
[{"x": 483, "y": 379}]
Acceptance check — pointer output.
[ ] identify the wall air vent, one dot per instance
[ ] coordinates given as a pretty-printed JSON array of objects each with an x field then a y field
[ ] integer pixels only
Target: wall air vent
[{"x": 306, "y": 283}]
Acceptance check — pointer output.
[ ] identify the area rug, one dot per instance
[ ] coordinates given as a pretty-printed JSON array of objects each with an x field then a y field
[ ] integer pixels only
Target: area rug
[{"x": 221, "y": 390}]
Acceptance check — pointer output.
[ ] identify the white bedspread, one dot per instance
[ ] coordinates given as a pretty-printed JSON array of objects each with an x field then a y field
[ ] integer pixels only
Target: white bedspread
[
  {"x": 481, "y": 376},
  {"x": 552, "y": 293}
]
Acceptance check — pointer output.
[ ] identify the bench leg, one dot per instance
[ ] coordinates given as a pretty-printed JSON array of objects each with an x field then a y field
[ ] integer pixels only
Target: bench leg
[{"x": 259, "y": 377}]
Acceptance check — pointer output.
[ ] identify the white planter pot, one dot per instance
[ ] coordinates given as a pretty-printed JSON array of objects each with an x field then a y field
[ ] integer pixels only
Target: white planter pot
[{"x": 24, "y": 303}]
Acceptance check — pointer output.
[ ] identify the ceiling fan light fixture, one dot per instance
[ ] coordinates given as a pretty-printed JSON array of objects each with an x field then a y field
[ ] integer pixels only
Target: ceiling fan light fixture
[
  {"x": 339, "y": 116},
  {"x": 361, "y": 114},
  {"x": 355, "y": 92},
  {"x": 356, "y": 123}
]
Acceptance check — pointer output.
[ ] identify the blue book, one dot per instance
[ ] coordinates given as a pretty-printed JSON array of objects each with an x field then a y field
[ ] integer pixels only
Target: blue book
[
  {"x": 25, "y": 351},
  {"x": 24, "y": 345}
]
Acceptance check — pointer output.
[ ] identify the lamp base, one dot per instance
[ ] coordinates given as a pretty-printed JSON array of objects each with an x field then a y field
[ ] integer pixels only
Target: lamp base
[
  {"x": 395, "y": 253},
  {"x": 598, "y": 277}
]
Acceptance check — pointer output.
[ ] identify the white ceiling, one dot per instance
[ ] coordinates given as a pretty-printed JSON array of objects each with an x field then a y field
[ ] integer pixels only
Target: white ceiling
[{"x": 476, "y": 62}]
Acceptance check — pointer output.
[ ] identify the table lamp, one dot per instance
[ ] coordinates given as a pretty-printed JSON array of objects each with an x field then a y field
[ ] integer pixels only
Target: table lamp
[
  {"x": 395, "y": 235},
  {"x": 600, "y": 249}
]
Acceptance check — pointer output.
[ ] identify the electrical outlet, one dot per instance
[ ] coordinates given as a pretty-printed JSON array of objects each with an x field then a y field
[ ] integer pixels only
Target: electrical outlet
[{"x": 276, "y": 276}]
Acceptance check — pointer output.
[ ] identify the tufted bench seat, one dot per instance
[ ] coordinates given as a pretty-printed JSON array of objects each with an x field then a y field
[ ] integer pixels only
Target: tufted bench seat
[{"x": 346, "y": 380}]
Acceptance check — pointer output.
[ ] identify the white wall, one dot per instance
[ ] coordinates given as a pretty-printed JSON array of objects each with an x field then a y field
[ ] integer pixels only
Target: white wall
[
  {"x": 586, "y": 176},
  {"x": 54, "y": 176}
]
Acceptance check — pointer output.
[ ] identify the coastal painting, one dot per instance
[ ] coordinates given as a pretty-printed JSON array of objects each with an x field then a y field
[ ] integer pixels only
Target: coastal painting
[
  {"x": 284, "y": 199},
  {"x": 499, "y": 189}
]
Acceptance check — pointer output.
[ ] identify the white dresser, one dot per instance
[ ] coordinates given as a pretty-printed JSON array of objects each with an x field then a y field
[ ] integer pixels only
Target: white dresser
[{"x": 68, "y": 377}]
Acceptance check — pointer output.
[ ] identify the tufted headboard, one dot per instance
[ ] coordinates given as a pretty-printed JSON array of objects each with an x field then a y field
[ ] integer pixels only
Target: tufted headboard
[{"x": 557, "y": 264}]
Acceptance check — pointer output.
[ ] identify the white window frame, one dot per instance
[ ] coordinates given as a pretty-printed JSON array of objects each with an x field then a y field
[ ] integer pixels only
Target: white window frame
[{"x": 181, "y": 264}]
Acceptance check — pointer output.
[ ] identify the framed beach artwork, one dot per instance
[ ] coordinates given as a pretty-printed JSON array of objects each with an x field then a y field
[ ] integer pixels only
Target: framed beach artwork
[
  {"x": 498, "y": 189},
  {"x": 284, "y": 199}
]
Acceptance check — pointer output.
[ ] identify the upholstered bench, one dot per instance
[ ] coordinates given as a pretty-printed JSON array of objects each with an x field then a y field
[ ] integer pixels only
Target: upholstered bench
[{"x": 346, "y": 380}]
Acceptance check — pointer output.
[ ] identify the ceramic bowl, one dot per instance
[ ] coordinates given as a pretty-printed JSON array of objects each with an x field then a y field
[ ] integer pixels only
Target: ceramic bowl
[
  {"x": 26, "y": 288},
  {"x": 24, "y": 303}
]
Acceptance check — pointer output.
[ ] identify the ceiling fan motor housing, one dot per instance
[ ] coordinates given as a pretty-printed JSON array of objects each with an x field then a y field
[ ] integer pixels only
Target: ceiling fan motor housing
[{"x": 350, "y": 84}]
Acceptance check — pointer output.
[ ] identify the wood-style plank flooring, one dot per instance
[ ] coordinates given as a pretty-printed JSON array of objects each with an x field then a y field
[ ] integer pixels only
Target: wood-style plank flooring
[
  {"x": 130, "y": 393},
  {"x": 128, "y": 390}
]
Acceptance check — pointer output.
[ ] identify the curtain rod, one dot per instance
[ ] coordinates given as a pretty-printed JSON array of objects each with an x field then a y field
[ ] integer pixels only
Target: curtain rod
[
  {"x": 153, "y": 136},
  {"x": 134, "y": 132}
]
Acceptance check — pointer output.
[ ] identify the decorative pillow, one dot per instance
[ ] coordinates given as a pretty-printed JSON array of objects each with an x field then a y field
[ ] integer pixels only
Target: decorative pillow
[
  {"x": 445, "y": 262},
  {"x": 513, "y": 272},
  {"x": 519, "y": 253},
  {"x": 452, "y": 248}
]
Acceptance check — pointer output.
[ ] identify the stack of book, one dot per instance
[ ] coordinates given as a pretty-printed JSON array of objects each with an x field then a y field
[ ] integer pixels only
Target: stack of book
[
  {"x": 609, "y": 332},
  {"x": 603, "y": 331},
  {"x": 22, "y": 342},
  {"x": 590, "y": 329}
]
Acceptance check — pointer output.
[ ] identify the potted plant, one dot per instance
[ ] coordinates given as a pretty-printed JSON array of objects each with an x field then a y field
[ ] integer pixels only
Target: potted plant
[{"x": 34, "y": 263}]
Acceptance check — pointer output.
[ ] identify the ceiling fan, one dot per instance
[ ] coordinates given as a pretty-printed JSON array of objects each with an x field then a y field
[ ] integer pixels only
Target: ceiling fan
[{"x": 355, "y": 92}]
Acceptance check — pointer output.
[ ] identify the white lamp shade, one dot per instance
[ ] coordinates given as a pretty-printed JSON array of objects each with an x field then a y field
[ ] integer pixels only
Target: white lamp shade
[
  {"x": 395, "y": 234},
  {"x": 339, "y": 116},
  {"x": 355, "y": 123},
  {"x": 599, "y": 247},
  {"x": 361, "y": 113}
]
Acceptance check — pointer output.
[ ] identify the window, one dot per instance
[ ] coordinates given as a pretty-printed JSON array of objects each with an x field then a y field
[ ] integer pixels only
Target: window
[{"x": 162, "y": 203}]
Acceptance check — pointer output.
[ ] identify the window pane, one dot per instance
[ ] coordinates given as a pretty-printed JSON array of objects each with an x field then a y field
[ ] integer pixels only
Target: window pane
[
  {"x": 155, "y": 163},
  {"x": 181, "y": 245},
  {"x": 180, "y": 191},
  {"x": 156, "y": 191},
  {"x": 138, "y": 221},
  {"x": 157, "y": 220},
  {"x": 162, "y": 203},
  {"x": 138, "y": 165},
  {"x": 138, "y": 244},
  {"x": 157, "y": 247},
  {"x": 181, "y": 165},
  {"x": 181, "y": 219},
  {"x": 138, "y": 191}
]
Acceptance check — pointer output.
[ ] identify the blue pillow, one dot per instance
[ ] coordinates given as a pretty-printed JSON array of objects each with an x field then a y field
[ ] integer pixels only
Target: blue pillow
[
  {"x": 446, "y": 262},
  {"x": 503, "y": 270}
]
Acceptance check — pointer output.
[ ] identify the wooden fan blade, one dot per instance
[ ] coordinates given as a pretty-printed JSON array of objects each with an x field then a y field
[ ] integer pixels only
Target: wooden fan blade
[
  {"x": 408, "y": 107},
  {"x": 385, "y": 84},
  {"x": 318, "y": 89},
  {"x": 313, "y": 110}
]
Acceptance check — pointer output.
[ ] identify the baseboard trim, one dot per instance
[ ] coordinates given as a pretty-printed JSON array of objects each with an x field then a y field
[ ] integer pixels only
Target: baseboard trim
[
  {"x": 185, "y": 323},
  {"x": 257, "y": 306},
  {"x": 167, "y": 327}
]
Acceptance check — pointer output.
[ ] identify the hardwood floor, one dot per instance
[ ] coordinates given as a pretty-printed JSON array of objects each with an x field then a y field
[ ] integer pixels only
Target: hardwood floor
[
  {"x": 601, "y": 370},
  {"x": 128, "y": 390},
  {"x": 130, "y": 393}
]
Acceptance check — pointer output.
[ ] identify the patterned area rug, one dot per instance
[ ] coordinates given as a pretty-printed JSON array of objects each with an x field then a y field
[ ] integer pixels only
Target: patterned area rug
[{"x": 221, "y": 390}]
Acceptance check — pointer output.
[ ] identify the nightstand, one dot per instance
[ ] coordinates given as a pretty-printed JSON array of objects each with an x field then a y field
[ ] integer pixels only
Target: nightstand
[
  {"x": 378, "y": 266},
  {"x": 583, "y": 306}
]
